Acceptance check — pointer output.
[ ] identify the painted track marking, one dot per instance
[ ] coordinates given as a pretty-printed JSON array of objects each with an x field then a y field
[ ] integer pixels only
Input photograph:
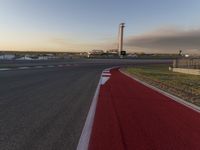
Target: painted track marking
[{"x": 87, "y": 129}]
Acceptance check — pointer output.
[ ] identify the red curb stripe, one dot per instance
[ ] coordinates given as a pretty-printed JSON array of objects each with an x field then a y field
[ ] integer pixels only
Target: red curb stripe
[{"x": 130, "y": 115}]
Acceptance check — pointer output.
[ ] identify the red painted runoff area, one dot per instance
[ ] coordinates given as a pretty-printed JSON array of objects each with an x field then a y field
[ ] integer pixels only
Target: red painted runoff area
[{"x": 131, "y": 116}]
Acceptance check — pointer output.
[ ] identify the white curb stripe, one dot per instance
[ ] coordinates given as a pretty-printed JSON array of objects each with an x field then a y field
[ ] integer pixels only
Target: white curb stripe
[
  {"x": 104, "y": 80},
  {"x": 105, "y": 77},
  {"x": 106, "y": 74}
]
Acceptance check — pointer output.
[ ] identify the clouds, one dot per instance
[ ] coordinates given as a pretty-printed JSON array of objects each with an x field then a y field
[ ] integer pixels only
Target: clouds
[
  {"x": 162, "y": 40},
  {"x": 167, "y": 40},
  {"x": 64, "y": 43}
]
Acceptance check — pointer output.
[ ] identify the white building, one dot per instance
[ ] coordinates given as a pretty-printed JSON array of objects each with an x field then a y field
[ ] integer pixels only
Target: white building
[{"x": 7, "y": 57}]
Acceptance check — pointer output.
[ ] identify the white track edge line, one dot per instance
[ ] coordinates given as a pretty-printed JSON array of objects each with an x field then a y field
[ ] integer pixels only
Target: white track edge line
[
  {"x": 87, "y": 129},
  {"x": 5, "y": 69},
  {"x": 23, "y": 68},
  {"x": 172, "y": 97},
  {"x": 84, "y": 139}
]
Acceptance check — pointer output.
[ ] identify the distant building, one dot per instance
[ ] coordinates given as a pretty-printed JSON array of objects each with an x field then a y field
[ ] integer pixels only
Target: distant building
[
  {"x": 112, "y": 51},
  {"x": 25, "y": 58},
  {"x": 7, "y": 57},
  {"x": 95, "y": 53},
  {"x": 132, "y": 55}
]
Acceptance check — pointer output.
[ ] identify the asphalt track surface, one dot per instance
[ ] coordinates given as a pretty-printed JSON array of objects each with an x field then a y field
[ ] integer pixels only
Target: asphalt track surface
[
  {"x": 132, "y": 116},
  {"x": 14, "y": 64},
  {"x": 45, "y": 108}
]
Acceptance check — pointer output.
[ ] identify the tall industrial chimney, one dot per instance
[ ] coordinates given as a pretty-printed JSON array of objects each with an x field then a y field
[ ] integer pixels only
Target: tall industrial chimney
[{"x": 121, "y": 32}]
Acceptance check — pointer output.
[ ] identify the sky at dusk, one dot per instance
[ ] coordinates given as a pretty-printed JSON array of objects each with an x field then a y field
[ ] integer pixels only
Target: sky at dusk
[{"x": 81, "y": 25}]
